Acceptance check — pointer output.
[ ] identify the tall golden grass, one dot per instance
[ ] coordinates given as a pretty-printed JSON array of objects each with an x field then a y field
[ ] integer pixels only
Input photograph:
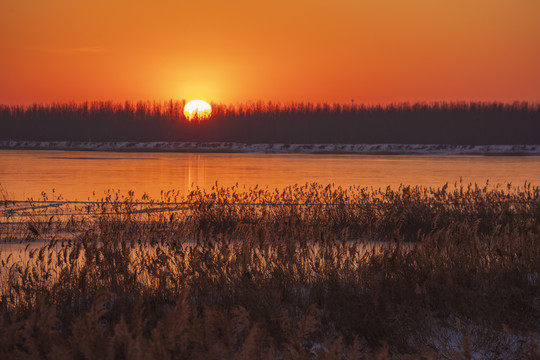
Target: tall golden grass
[{"x": 308, "y": 271}]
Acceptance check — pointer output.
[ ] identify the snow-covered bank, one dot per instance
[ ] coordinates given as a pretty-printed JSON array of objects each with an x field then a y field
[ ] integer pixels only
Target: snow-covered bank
[{"x": 228, "y": 147}]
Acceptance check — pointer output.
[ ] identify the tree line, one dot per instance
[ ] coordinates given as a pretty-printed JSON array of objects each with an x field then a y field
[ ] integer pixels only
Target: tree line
[{"x": 457, "y": 123}]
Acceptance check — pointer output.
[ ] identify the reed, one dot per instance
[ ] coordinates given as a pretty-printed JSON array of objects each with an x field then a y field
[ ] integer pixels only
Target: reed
[{"x": 307, "y": 271}]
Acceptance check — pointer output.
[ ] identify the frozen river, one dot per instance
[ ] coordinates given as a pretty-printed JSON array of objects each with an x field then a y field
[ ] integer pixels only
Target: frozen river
[{"x": 78, "y": 175}]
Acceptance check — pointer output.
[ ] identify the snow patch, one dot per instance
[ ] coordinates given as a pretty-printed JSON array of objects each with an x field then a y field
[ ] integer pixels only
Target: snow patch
[{"x": 363, "y": 149}]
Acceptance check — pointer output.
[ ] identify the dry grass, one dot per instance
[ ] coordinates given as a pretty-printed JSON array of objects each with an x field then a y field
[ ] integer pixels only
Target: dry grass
[{"x": 307, "y": 272}]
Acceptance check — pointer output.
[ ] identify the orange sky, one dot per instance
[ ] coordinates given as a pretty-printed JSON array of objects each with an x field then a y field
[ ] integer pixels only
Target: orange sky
[{"x": 372, "y": 51}]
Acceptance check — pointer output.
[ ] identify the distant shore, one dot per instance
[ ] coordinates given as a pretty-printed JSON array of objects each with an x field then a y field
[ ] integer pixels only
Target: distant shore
[{"x": 231, "y": 147}]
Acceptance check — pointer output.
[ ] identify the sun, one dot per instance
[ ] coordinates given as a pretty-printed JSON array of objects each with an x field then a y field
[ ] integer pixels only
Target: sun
[{"x": 197, "y": 110}]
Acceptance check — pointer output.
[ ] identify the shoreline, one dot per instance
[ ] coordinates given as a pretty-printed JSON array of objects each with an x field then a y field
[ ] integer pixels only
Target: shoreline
[{"x": 317, "y": 149}]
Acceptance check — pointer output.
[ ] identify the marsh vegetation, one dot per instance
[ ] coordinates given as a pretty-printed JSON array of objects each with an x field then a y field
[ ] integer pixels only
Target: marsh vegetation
[{"x": 308, "y": 271}]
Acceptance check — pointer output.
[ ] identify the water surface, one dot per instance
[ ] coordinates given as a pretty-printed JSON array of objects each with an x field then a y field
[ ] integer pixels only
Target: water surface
[{"x": 78, "y": 175}]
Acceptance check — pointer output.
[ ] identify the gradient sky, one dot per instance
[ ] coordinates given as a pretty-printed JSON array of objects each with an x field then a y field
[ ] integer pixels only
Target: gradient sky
[{"x": 375, "y": 51}]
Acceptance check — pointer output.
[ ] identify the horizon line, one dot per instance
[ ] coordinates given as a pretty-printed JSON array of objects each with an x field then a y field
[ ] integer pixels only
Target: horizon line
[{"x": 352, "y": 103}]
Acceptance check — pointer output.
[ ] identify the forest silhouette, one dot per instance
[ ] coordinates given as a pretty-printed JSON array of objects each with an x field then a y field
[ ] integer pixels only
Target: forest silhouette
[{"x": 458, "y": 123}]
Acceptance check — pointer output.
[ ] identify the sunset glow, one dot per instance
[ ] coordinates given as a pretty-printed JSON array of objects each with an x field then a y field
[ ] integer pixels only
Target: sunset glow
[
  {"x": 324, "y": 51},
  {"x": 198, "y": 110},
  {"x": 355, "y": 179}
]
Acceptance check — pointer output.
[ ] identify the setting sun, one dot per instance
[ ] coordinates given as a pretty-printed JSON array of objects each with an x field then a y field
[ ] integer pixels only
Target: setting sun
[{"x": 197, "y": 109}]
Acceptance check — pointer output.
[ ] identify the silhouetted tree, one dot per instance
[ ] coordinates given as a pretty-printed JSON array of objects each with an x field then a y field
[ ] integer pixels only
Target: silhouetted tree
[{"x": 435, "y": 123}]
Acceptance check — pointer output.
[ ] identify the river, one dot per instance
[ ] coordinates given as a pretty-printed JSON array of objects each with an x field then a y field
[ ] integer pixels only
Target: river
[{"x": 82, "y": 175}]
